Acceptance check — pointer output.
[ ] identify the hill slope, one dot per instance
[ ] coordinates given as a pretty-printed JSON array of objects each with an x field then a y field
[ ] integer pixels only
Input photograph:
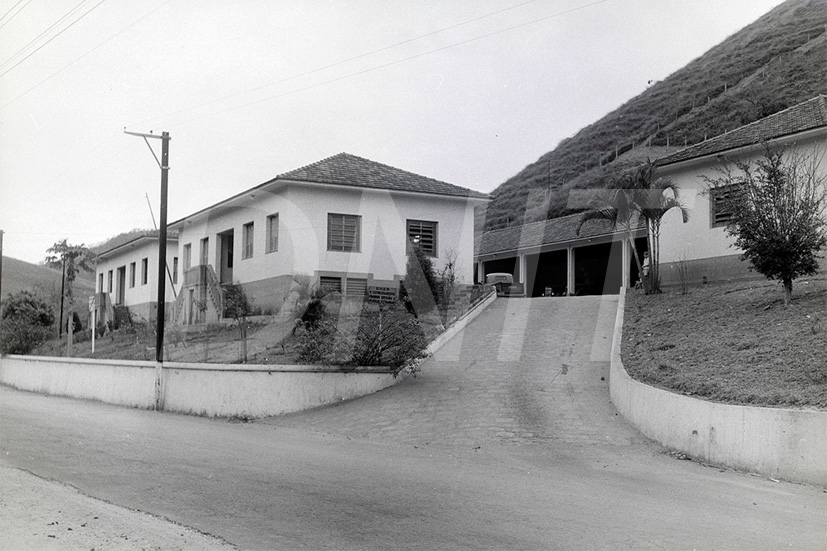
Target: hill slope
[
  {"x": 19, "y": 275},
  {"x": 776, "y": 62}
]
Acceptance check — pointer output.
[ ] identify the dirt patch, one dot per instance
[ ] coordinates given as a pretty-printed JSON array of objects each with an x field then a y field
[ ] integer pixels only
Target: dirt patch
[{"x": 732, "y": 342}]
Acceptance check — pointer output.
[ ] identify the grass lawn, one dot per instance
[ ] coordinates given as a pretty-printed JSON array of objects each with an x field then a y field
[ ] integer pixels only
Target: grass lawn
[{"x": 732, "y": 342}]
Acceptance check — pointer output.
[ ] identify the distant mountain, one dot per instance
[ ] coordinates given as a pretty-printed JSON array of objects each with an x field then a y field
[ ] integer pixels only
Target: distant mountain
[
  {"x": 19, "y": 275},
  {"x": 776, "y": 62}
]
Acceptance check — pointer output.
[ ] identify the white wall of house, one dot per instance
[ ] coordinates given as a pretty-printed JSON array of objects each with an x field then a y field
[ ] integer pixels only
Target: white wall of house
[
  {"x": 303, "y": 230},
  {"x": 137, "y": 295},
  {"x": 698, "y": 239}
]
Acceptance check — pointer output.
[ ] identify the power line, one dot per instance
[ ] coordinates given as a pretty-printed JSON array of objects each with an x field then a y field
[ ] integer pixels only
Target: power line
[
  {"x": 15, "y": 13},
  {"x": 86, "y": 54},
  {"x": 55, "y": 36},
  {"x": 389, "y": 64},
  {"x": 337, "y": 63},
  {"x": 35, "y": 39}
]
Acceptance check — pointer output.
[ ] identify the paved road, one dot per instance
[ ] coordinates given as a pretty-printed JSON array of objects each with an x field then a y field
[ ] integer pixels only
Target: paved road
[{"x": 507, "y": 440}]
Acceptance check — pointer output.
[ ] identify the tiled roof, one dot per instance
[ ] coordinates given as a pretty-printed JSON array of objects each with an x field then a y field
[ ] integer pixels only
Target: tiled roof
[
  {"x": 545, "y": 232},
  {"x": 804, "y": 116},
  {"x": 150, "y": 236},
  {"x": 349, "y": 170}
]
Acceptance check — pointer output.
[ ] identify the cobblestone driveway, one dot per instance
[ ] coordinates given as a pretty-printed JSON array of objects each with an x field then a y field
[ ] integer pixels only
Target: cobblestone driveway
[{"x": 526, "y": 371}]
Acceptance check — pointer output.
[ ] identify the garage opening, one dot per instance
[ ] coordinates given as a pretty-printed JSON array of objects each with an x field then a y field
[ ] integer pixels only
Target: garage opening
[
  {"x": 547, "y": 274},
  {"x": 509, "y": 265}
]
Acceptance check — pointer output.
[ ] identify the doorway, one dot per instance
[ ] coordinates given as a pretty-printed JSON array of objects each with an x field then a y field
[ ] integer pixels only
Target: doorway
[{"x": 225, "y": 256}]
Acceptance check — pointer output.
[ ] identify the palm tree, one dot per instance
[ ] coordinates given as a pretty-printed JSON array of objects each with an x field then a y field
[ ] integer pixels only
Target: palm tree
[
  {"x": 619, "y": 207},
  {"x": 653, "y": 197},
  {"x": 638, "y": 194}
]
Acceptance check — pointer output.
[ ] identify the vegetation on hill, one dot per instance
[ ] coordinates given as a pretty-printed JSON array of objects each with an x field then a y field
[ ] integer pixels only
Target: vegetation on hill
[
  {"x": 24, "y": 276},
  {"x": 776, "y": 62},
  {"x": 120, "y": 239}
]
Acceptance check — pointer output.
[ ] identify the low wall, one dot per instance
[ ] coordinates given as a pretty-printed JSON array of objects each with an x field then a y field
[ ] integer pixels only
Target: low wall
[
  {"x": 777, "y": 442},
  {"x": 460, "y": 324},
  {"x": 202, "y": 389}
]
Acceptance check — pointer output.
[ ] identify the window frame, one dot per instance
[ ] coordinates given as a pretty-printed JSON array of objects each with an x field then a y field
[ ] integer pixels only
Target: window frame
[
  {"x": 144, "y": 270},
  {"x": 188, "y": 256},
  {"x": 719, "y": 217},
  {"x": 338, "y": 243},
  {"x": 272, "y": 241},
  {"x": 434, "y": 225},
  {"x": 247, "y": 240},
  {"x": 204, "y": 252},
  {"x": 132, "y": 275},
  {"x": 175, "y": 270}
]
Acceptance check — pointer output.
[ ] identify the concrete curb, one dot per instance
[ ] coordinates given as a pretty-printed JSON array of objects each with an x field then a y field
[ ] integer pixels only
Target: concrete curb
[
  {"x": 776, "y": 442},
  {"x": 460, "y": 324}
]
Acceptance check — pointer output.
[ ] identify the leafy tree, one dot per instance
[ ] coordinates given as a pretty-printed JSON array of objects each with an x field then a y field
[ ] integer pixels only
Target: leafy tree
[
  {"x": 778, "y": 213},
  {"x": 27, "y": 321},
  {"x": 70, "y": 259},
  {"x": 237, "y": 306},
  {"x": 421, "y": 283}
]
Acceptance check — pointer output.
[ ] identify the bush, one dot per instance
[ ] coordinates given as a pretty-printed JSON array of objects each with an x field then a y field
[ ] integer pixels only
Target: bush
[
  {"x": 387, "y": 337},
  {"x": 421, "y": 284},
  {"x": 27, "y": 321}
]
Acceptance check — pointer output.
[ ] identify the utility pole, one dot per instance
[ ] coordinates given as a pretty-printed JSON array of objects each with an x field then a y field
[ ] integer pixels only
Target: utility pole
[
  {"x": 1, "y": 271},
  {"x": 162, "y": 246}
]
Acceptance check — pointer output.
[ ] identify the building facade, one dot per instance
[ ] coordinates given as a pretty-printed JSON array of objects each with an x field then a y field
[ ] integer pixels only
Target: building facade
[
  {"x": 345, "y": 223},
  {"x": 701, "y": 248},
  {"x": 126, "y": 276}
]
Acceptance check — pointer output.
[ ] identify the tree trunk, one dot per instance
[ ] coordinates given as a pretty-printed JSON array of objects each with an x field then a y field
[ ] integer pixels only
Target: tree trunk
[
  {"x": 788, "y": 290},
  {"x": 637, "y": 258}
]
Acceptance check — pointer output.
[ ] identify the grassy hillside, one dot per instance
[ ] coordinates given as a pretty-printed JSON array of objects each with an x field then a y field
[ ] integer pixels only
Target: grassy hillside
[
  {"x": 776, "y": 62},
  {"x": 19, "y": 275}
]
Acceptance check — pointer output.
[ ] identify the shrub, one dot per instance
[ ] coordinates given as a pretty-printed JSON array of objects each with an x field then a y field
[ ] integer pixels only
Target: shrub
[
  {"x": 27, "y": 321},
  {"x": 421, "y": 283}
]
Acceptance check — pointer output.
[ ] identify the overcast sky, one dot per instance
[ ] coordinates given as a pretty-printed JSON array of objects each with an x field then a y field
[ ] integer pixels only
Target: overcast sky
[{"x": 464, "y": 91}]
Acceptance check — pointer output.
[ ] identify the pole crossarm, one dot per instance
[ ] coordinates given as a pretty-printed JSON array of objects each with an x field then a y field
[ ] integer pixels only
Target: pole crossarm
[{"x": 156, "y": 136}]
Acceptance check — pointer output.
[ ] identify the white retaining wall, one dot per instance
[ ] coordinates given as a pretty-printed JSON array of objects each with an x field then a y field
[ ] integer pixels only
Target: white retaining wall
[
  {"x": 777, "y": 442},
  {"x": 202, "y": 389},
  {"x": 224, "y": 390}
]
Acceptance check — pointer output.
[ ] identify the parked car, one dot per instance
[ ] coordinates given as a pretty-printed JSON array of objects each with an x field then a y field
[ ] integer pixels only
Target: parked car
[{"x": 504, "y": 284}]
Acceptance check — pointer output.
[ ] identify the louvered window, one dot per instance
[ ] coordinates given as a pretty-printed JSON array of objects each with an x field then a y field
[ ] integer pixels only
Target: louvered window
[
  {"x": 356, "y": 287},
  {"x": 422, "y": 234},
  {"x": 343, "y": 232},
  {"x": 720, "y": 199},
  {"x": 331, "y": 284}
]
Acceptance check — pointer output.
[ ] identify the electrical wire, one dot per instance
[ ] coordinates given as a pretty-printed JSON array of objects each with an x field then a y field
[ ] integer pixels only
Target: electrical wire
[
  {"x": 55, "y": 36},
  {"x": 389, "y": 64},
  {"x": 15, "y": 13},
  {"x": 35, "y": 39},
  {"x": 86, "y": 54},
  {"x": 337, "y": 63}
]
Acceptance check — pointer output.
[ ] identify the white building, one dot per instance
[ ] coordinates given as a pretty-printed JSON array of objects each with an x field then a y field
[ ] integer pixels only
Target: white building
[
  {"x": 127, "y": 275},
  {"x": 702, "y": 244},
  {"x": 344, "y": 221}
]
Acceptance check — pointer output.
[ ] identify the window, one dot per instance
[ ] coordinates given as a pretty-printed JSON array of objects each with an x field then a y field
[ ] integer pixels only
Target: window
[
  {"x": 131, "y": 275},
  {"x": 272, "y": 233},
  {"x": 331, "y": 284},
  {"x": 343, "y": 232},
  {"x": 422, "y": 234},
  {"x": 205, "y": 251},
  {"x": 144, "y": 270},
  {"x": 100, "y": 282},
  {"x": 109, "y": 288},
  {"x": 247, "y": 240},
  {"x": 356, "y": 287},
  {"x": 175, "y": 270},
  {"x": 719, "y": 212},
  {"x": 187, "y": 256}
]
